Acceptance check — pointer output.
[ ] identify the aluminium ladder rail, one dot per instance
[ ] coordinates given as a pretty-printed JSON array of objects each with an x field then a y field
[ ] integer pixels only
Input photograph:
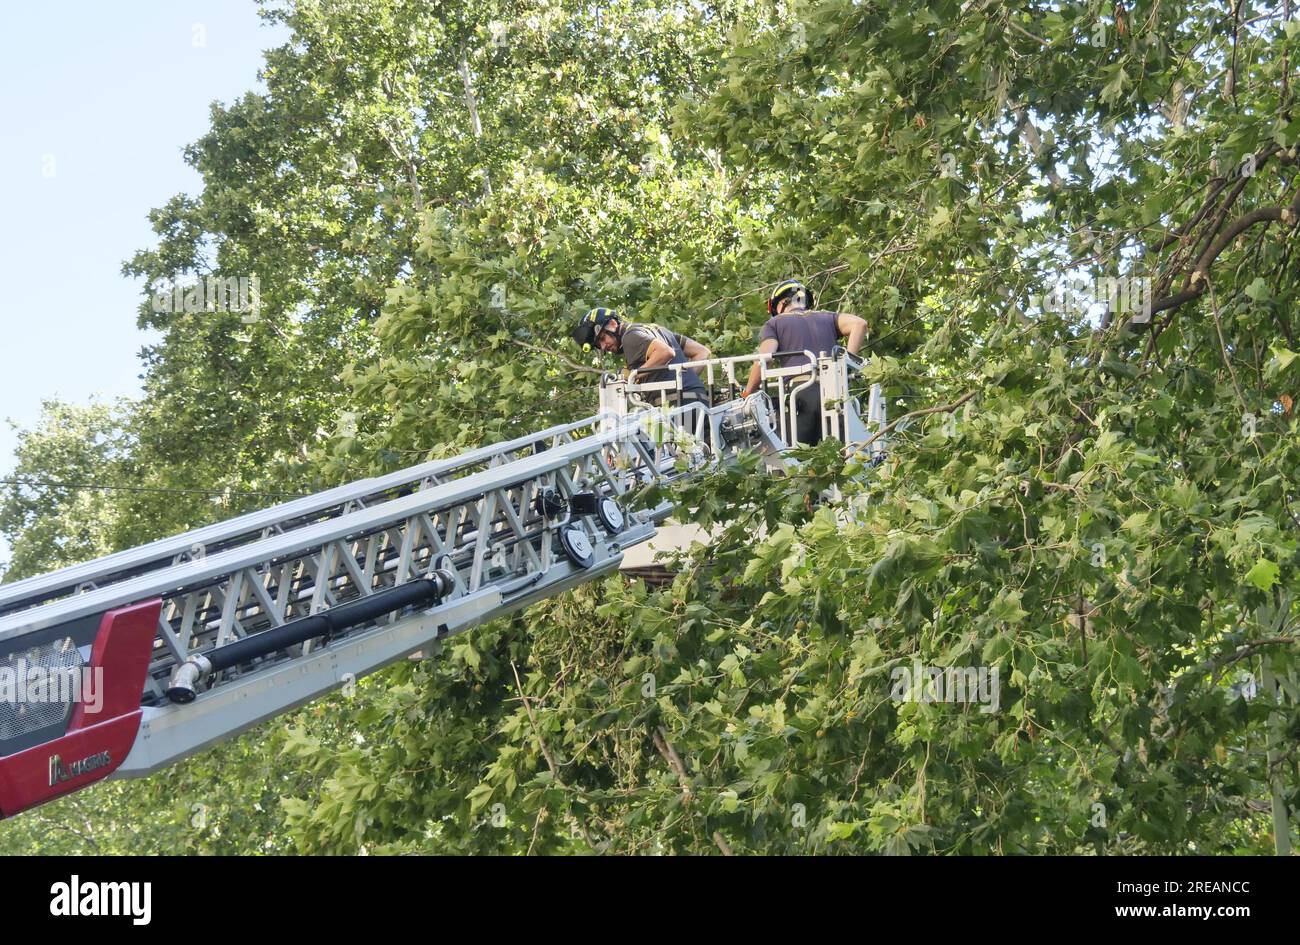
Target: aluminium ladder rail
[{"x": 255, "y": 526}]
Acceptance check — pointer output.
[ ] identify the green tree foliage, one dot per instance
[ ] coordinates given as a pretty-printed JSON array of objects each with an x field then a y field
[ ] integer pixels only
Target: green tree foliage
[
  {"x": 52, "y": 508},
  {"x": 1097, "y": 505}
]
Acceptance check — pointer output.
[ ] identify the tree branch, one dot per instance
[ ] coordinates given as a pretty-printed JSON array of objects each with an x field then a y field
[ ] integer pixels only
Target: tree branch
[
  {"x": 574, "y": 365},
  {"x": 1175, "y": 235},
  {"x": 471, "y": 105},
  {"x": 1197, "y": 281},
  {"x": 942, "y": 408},
  {"x": 528, "y": 707},
  {"x": 666, "y": 749}
]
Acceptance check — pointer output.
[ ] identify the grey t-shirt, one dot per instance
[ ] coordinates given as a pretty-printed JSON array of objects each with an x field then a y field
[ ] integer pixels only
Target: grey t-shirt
[
  {"x": 797, "y": 332},
  {"x": 636, "y": 345}
]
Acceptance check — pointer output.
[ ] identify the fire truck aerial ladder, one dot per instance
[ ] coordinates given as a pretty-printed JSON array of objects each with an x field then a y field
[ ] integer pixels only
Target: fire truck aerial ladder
[{"x": 193, "y": 639}]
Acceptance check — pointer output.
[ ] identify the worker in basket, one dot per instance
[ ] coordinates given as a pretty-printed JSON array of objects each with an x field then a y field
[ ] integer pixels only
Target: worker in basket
[
  {"x": 792, "y": 328},
  {"x": 648, "y": 351}
]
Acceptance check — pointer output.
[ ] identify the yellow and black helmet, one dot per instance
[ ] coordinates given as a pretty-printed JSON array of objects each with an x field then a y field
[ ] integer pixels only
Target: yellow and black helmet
[
  {"x": 786, "y": 289},
  {"x": 585, "y": 334}
]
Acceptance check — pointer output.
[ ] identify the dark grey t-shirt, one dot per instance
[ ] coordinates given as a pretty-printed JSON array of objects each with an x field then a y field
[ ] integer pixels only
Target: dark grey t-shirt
[
  {"x": 797, "y": 332},
  {"x": 636, "y": 345}
]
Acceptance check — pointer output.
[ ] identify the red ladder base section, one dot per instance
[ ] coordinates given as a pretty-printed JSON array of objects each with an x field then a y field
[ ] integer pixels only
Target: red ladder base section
[{"x": 95, "y": 744}]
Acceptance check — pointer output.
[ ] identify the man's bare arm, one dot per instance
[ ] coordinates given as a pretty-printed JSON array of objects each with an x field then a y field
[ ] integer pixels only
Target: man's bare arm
[
  {"x": 756, "y": 372},
  {"x": 694, "y": 350},
  {"x": 854, "y": 327},
  {"x": 656, "y": 356}
]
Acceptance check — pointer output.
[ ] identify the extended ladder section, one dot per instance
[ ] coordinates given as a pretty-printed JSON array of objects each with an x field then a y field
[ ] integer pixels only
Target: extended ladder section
[{"x": 129, "y": 663}]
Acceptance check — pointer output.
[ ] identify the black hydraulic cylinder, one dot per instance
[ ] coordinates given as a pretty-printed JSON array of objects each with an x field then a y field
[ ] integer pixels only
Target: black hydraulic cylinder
[
  {"x": 423, "y": 591},
  {"x": 186, "y": 678}
]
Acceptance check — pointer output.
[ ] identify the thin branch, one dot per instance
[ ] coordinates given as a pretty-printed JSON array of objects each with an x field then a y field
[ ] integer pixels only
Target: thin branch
[
  {"x": 1219, "y": 663},
  {"x": 1223, "y": 347},
  {"x": 942, "y": 408},
  {"x": 574, "y": 365},
  {"x": 1035, "y": 142},
  {"x": 528, "y": 707},
  {"x": 1024, "y": 32},
  {"x": 666, "y": 749},
  {"x": 1177, "y": 234},
  {"x": 471, "y": 105}
]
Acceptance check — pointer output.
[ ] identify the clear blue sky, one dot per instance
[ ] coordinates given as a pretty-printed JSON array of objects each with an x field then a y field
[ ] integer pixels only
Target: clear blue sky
[{"x": 97, "y": 101}]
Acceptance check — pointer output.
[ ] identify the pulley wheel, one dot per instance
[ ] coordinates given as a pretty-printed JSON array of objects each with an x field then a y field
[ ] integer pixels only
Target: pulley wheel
[
  {"x": 610, "y": 515},
  {"x": 577, "y": 546}
]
